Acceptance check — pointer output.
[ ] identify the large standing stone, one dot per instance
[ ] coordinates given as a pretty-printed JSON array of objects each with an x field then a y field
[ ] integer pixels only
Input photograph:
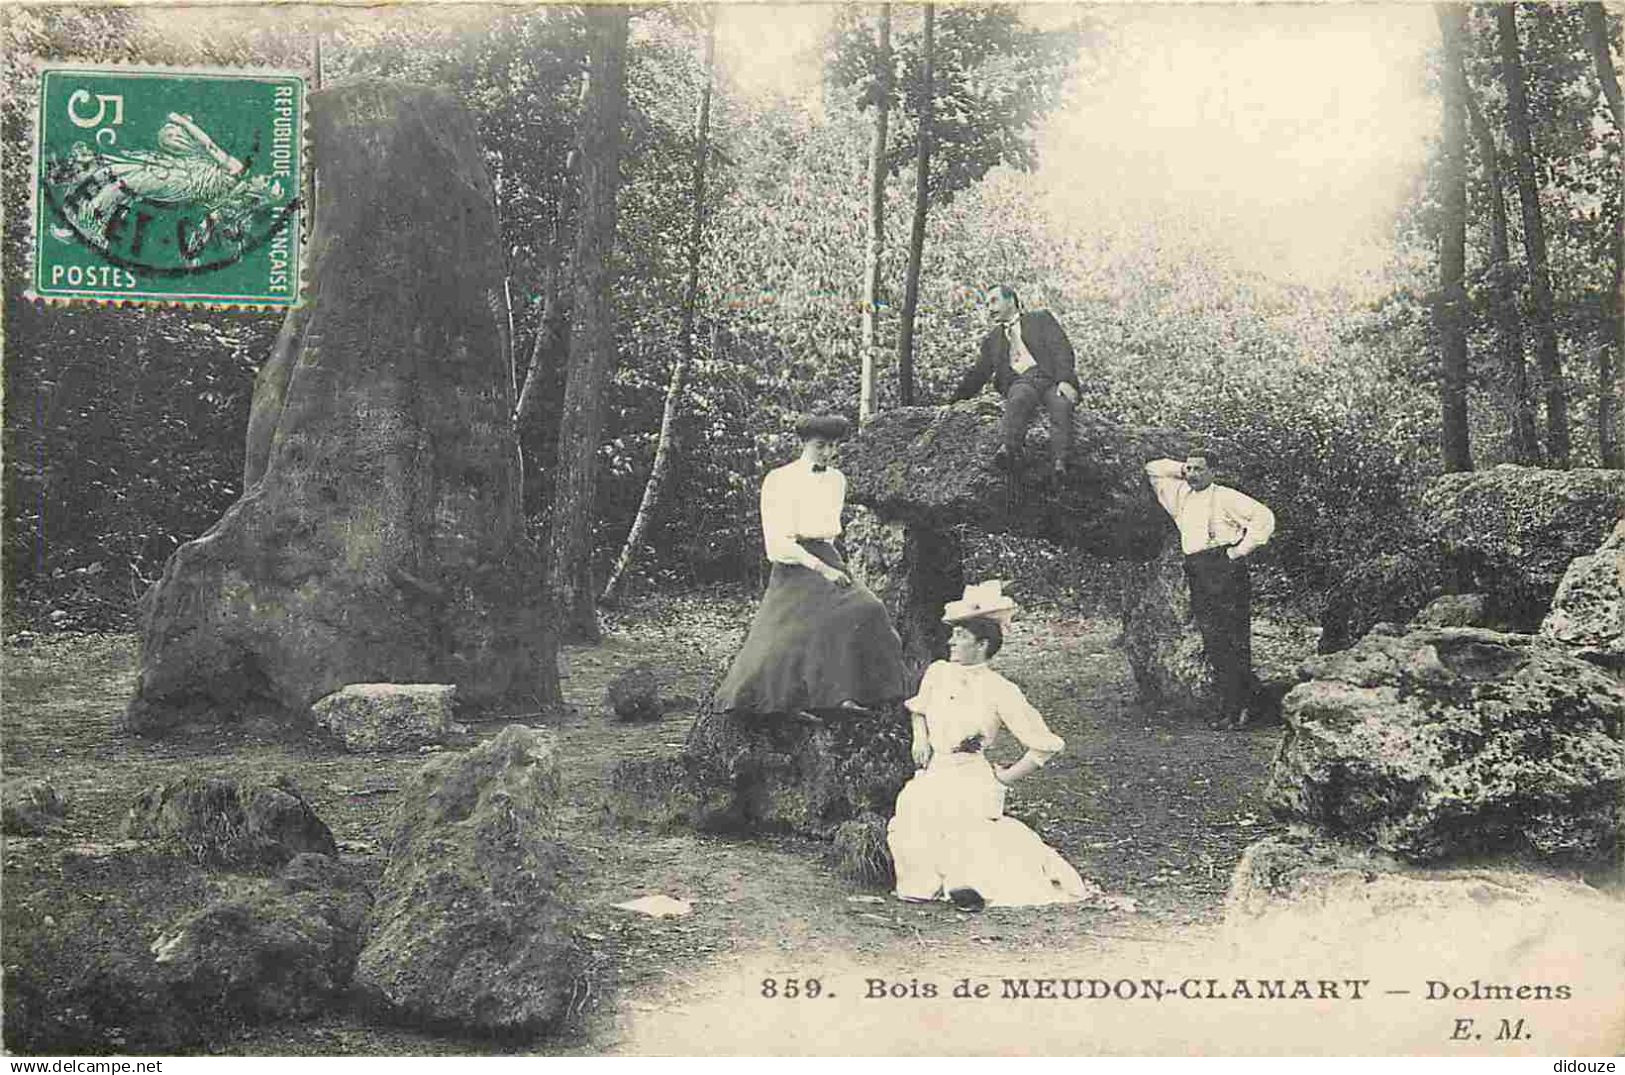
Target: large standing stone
[
  {"x": 915, "y": 571},
  {"x": 1510, "y": 532},
  {"x": 1443, "y": 742},
  {"x": 1588, "y": 611},
  {"x": 471, "y": 929},
  {"x": 378, "y": 538},
  {"x": 1160, "y": 638}
]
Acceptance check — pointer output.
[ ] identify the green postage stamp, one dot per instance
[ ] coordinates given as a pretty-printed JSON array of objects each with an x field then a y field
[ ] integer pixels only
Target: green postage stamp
[{"x": 169, "y": 185}]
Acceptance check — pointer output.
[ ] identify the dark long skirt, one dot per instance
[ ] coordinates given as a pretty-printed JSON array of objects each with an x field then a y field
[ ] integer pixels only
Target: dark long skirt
[{"x": 814, "y": 645}]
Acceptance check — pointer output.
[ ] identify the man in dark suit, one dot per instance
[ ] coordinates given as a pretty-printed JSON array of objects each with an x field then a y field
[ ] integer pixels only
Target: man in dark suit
[{"x": 1030, "y": 361}]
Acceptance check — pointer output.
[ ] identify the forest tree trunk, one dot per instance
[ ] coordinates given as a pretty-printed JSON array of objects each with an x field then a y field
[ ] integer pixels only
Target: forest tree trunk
[
  {"x": 1534, "y": 240},
  {"x": 916, "y": 238},
  {"x": 1611, "y": 355},
  {"x": 685, "y": 354},
  {"x": 877, "y": 220},
  {"x": 1450, "y": 311},
  {"x": 570, "y": 512},
  {"x": 1503, "y": 288}
]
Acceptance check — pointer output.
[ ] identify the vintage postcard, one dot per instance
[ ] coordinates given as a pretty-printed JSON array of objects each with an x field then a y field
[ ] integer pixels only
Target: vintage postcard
[{"x": 813, "y": 529}]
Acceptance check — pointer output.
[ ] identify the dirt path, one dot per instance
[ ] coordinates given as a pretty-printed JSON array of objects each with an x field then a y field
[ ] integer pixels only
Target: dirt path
[{"x": 1148, "y": 806}]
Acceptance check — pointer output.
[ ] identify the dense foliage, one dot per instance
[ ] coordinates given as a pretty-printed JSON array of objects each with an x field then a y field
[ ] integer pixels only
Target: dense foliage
[{"x": 124, "y": 427}]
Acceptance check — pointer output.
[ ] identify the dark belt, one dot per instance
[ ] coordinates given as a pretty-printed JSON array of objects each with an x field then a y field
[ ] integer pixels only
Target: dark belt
[{"x": 1210, "y": 550}]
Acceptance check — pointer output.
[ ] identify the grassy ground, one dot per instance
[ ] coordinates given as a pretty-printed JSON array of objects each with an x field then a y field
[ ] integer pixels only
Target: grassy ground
[{"x": 1149, "y": 806}]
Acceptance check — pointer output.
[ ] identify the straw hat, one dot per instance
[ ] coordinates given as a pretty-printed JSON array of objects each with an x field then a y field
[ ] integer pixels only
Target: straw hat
[{"x": 983, "y": 599}]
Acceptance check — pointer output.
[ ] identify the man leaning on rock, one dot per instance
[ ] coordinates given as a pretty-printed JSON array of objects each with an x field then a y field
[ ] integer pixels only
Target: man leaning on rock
[
  {"x": 1030, "y": 361},
  {"x": 1218, "y": 528}
]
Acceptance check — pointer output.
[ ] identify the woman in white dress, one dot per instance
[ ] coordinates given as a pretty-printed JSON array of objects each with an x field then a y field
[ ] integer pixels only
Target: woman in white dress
[{"x": 949, "y": 837}]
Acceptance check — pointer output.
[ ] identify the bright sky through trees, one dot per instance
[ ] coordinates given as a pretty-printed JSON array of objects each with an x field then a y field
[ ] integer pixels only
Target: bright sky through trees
[{"x": 1283, "y": 137}]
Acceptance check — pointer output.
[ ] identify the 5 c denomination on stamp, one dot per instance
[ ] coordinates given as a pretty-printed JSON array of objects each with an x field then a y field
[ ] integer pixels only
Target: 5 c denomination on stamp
[{"x": 169, "y": 185}]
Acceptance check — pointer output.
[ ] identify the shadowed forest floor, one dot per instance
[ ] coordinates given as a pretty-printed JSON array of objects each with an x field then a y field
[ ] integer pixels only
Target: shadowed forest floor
[{"x": 1149, "y": 806}]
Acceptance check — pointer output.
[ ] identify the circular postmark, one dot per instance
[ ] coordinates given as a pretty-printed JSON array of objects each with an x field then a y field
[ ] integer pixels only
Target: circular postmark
[
  {"x": 169, "y": 184},
  {"x": 187, "y": 208}
]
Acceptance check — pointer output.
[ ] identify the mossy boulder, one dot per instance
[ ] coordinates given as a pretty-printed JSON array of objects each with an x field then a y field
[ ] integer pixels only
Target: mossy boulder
[
  {"x": 1388, "y": 588},
  {"x": 472, "y": 928},
  {"x": 1441, "y": 743},
  {"x": 1511, "y": 532},
  {"x": 219, "y": 821},
  {"x": 932, "y": 467},
  {"x": 1588, "y": 610}
]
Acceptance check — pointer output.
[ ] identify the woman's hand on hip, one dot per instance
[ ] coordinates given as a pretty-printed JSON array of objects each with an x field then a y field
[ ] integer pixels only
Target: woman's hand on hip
[{"x": 836, "y": 576}]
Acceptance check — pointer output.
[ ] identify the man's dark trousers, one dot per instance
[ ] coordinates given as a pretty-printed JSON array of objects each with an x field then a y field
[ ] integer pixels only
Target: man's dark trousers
[
  {"x": 1027, "y": 391},
  {"x": 1222, "y": 605}
]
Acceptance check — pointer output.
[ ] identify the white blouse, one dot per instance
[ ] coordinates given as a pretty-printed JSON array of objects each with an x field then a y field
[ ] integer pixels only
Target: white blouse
[
  {"x": 1214, "y": 517},
  {"x": 962, "y": 700},
  {"x": 797, "y": 503}
]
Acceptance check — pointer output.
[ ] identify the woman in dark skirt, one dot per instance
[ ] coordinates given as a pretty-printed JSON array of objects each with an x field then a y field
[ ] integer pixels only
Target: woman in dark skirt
[{"x": 820, "y": 640}]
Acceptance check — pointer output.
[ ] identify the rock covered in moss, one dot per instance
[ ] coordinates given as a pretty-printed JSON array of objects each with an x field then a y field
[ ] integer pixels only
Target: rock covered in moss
[
  {"x": 634, "y": 695},
  {"x": 36, "y": 809},
  {"x": 222, "y": 822},
  {"x": 379, "y": 537},
  {"x": 1160, "y": 639},
  {"x": 1388, "y": 588},
  {"x": 1510, "y": 532},
  {"x": 1445, "y": 742},
  {"x": 932, "y": 467},
  {"x": 1588, "y": 611},
  {"x": 914, "y": 571},
  {"x": 388, "y": 716},
  {"x": 472, "y": 930},
  {"x": 743, "y": 773},
  {"x": 283, "y": 950}
]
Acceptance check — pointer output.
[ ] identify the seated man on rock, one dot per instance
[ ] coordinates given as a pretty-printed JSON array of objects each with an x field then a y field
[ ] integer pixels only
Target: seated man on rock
[{"x": 1030, "y": 361}]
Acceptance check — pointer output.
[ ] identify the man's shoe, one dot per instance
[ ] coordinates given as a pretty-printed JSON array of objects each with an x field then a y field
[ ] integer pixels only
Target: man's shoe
[
  {"x": 967, "y": 899},
  {"x": 856, "y": 708}
]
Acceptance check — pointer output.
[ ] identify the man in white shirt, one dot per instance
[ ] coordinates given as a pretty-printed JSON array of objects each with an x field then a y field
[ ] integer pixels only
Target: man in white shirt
[
  {"x": 820, "y": 642},
  {"x": 1219, "y": 528}
]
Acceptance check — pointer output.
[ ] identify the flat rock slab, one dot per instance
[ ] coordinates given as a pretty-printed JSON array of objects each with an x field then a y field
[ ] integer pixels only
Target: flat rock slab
[
  {"x": 388, "y": 716},
  {"x": 933, "y": 467},
  {"x": 472, "y": 931},
  {"x": 1440, "y": 743}
]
